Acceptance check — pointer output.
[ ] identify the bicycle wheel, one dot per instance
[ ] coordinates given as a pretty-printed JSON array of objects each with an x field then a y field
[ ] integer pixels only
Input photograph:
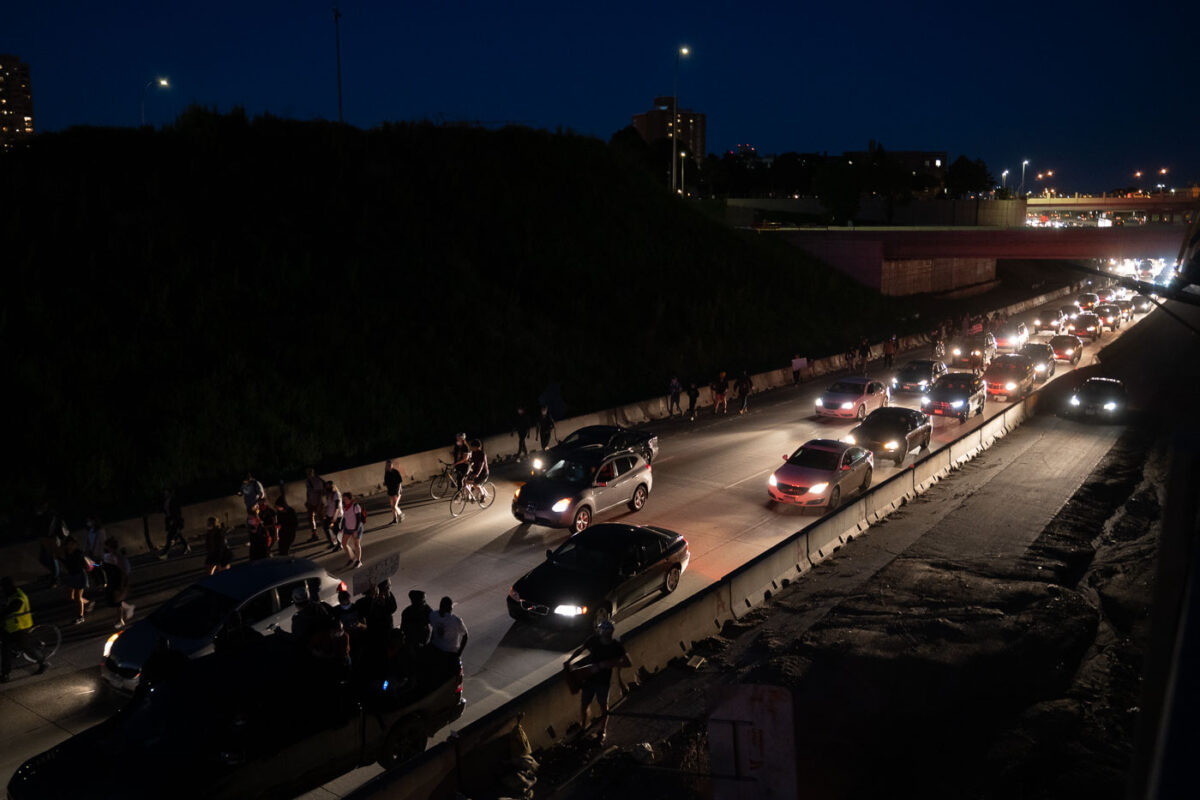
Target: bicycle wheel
[
  {"x": 41, "y": 642},
  {"x": 439, "y": 487},
  {"x": 458, "y": 503},
  {"x": 490, "y": 488}
]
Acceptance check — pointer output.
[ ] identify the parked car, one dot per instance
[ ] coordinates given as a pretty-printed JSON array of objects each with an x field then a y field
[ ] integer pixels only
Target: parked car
[
  {"x": 264, "y": 719},
  {"x": 1067, "y": 347},
  {"x": 979, "y": 347},
  {"x": 598, "y": 572},
  {"x": 611, "y": 437},
  {"x": 893, "y": 433},
  {"x": 852, "y": 398},
  {"x": 1012, "y": 335},
  {"x": 918, "y": 376},
  {"x": 1054, "y": 319},
  {"x": 1086, "y": 324},
  {"x": 1102, "y": 398},
  {"x": 820, "y": 472},
  {"x": 1009, "y": 376},
  {"x": 1042, "y": 356},
  {"x": 589, "y": 481},
  {"x": 1109, "y": 316},
  {"x": 257, "y": 595},
  {"x": 956, "y": 394}
]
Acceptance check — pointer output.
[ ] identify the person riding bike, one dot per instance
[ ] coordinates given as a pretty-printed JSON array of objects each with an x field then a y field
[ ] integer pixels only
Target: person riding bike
[
  {"x": 477, "y": 468},
  {"x": 459, "y": 457},
  {"x": 18, "y": 621}
]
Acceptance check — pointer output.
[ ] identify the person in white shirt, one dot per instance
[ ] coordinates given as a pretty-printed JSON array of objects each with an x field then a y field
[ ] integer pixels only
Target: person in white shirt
[
  {"x": 354, "y": 522},
  {"x": 332, "y": 523},
  {"x": 449, "y": 633}
]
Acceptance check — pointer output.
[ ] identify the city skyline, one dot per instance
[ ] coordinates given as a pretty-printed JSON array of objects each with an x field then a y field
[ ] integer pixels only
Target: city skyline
[{"x": 1002, "y": 87}]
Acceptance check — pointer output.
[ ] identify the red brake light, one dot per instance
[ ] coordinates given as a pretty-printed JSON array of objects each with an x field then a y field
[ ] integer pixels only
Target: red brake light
[
  {"x": 647, "y": 468},
  {"x": 342, "y": 586}
]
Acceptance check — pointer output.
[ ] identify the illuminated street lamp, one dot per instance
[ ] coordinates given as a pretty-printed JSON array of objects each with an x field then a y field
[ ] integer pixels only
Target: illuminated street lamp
[
  {"x": 682, "y": 172},
  {"x": 1021, "y": 190},
  {"x": 681, "y": 51},
  {"x": 1004, "y": 179},
  {"x": 163, "y": 82}
]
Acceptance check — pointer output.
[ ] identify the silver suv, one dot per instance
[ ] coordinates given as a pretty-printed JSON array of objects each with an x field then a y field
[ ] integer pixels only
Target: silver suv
[{"x": 582, "y": 484}]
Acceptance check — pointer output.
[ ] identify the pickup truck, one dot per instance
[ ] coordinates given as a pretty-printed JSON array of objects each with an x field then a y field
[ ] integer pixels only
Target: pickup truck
[{"x": 267, "y": 719}]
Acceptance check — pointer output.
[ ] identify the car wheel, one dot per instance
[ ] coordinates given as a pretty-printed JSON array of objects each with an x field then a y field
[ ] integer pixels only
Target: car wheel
[
  {"x": 638, "y": 501},
  {"x": 835, "y": 498},
  {"x": 866, "y": 484},
  {"x": 925, "y": 446},
  {"x": 671, "y": 582},
  {"x": 601, "y": 614},
  {"x": 583, "y": 518},
  {"x": 406, "y": 739},
  {"x": 861, "y": 413}
]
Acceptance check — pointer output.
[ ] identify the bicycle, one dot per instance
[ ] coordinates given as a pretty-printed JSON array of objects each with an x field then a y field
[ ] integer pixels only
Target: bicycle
[
  {"x": 41, "y": 642},
  {"x": 442, "y": 485},
  {"x": 467, "y": 494}
]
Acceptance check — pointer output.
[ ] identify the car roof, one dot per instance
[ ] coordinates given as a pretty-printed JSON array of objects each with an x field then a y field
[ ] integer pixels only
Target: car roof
[
  {"x": 1099, "y": 382},
  {"x": 852, "y": 379},
  {"x": 597, "y": 429},
  {"x": 1040, "y": 345},
  {"x": 590, "y": 454},
  {"x": 888, "y": 413},
  {"x": 829, "y": 445},
  {"x": 919, "y": 364},
  {"x": 244, "y": 580},
  {"x": 1006, "y": 357}
]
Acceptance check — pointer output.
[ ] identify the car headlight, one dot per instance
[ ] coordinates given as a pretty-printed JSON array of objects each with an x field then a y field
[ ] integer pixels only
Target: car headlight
[
  {"x": 538, "y": 463},
  {"x": 771, "y": 481},
  {"x": 1010, "y": 386},
  {"x": 895, "y": 383},
  {"x": 1110, "y": 406},
  {"x": 108, "y": 645},
  {"x": 820, "y": 403},
  {"x": 561, "y": 505},
  {"x": 1070, "y": 351},
  {"x": 1091, "y": 327},
  {"x": 975, "y": 353},
  {"x": 924, "y": 401},
  {"x": 1074, "y": 400},
  {"x": 848, "y": 439},
  {"x": 817, "y": 488},
  {"x": 957, "y": 351},
  {"x": 847, "y": 406},
  {"x": 922, "y": 384},
  {"x": 512, "y": 594},
  {"x": 956, "y": 404},
  {"x": 1037, "y": 322},
  {"x": 517, "y": 493},
  {"x": 1039, "y": 368},
  {"x": 892, "y": 446},
  {"x": 570, "y": 611}
]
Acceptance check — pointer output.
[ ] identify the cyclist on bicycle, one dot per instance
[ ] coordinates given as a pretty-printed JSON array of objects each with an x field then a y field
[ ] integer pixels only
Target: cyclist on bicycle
[
  {"x": 459, "y": 457},
  {"x": 477, "y": 468},
  {"x": 18, "y": 620}
]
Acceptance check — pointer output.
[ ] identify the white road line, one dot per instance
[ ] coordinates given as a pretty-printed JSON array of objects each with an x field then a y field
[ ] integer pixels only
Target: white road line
[{"x": 748, "y": 477}]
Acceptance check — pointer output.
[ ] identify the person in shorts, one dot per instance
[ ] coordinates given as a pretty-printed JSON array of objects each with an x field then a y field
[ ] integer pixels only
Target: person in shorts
[
  {"x": 606, "y": 653},
  {"x": 393, "y": 483}
]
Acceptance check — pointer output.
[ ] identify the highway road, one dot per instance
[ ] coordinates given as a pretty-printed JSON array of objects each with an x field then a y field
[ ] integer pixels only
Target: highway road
[{"x": 710, "y": 485}]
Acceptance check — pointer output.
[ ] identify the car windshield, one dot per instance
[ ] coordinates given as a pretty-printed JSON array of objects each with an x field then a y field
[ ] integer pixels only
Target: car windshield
[
  {"x": 1005, "y": 365},
  {"x": 586, "y": 436},
  {"x": 195, "y": 612},
  {"x": 1035, "y": 350},
  {"x": 954, "y": 384},
  {"x": 570, "y": 471},
  {"x": 599, "y": 555},
  {"x": 1097, "y": 390},
  {"x": 916, "y": 369},
  {"x": 886, "y": 417},
  {"x": 1062, "y": 341},
  {"x": 976, "y": 342},
  {"x": 845, "y": 387},
  {"x": 813, "y": 458}
]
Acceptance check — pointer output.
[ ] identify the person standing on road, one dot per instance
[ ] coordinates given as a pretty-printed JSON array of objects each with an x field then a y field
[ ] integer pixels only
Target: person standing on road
[
  {"x": 354, "y": 521},
  {"x": 889, "y": 351},
  {"x": 720, "y": 391},
  {"x": 545, "y": 426},
  {"x": 332, "y": 521},
  {"x": 521, "y": 425},
  {"x": 76, "y": 566},
  {"x": 217, "y": 555},
  {"x": 259, "y": 538},
  {"x": 674, "y": 388},
  {"x": 797, "y": 365},
  {"x": 269, "y": 519},
  {"x": 393, "y": 481},
  {"x": 94, "y": 539},
  {"x": 414, "y": 621},
  {"x": 173, "y": 520},
  {"x": 18, "y": 620},
  {"x": 606, "y": 653},
  {"x": 744, "y": 387},
  {"x": 118, "y": 572},
  {"x": 864, "y": 355},
  {"x": 693, "y": 393},
  {"x": 314, "y": 499},
  {"x": 449, "y": 634},
  {"x": 251, "y": 491},
  {"x": 286, "y": 523}
]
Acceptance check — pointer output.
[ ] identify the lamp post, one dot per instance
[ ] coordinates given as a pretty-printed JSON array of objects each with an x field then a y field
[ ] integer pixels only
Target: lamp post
[
  {"x": 681, "y": 51},
  {"x": 1004, "y": 179},
  {"x": 682, "y": 172},
  {"x": 1021, "y": 190},
  {"x": 163, "y": 82},
  {"x": 337, "y": 44}
]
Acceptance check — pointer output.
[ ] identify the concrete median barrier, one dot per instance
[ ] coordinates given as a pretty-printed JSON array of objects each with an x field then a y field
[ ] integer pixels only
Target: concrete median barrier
[
  {"x": 930, "y": 469},
  {"x": 753, "y": 582}
]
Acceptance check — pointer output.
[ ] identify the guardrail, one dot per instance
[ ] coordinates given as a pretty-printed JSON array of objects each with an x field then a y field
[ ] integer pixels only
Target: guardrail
[{"x": 548, "y": 708}]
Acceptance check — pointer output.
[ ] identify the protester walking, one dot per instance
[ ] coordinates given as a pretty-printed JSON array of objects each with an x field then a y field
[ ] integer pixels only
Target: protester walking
[
  {"x": 521, "y": 425},
  {"x": 392, "y": 481},
  {"x": 269, "y": 519},
  {"x": 414, "y": 621},
  {"x": 173, "y": 520},
  {"x": 545, "y": 426},
  {"x": 260, "y": 538},
  {"x": 720, "y": 390},
  {"x": 314, "y": 500},
  {"x": 286, "y": 524},
  {"x": 449, "y": 634},
  {"x": 251, "y": 491},
  {"x": 118, "y": 573},
  {"x": 354, "y": 522},
  {"x": 217, "y": 555},
  {"x": 693, "y": 394},
  {"x": 744, "y": 386},
  {"x": 93, "y": 539},
  {"x": 797, "y": 365},
  {"x": 674, "y": 389},
  {"x": 76, "y": 566},
  {"x": 889, "y": 351},
  {"x": 606, "y": 653},
  {"x": 331, "y": 523}
]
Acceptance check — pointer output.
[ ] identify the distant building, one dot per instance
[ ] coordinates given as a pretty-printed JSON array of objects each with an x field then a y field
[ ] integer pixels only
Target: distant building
[
  {"x": 656, "y": 124},
  {"x": 929, "y": 164},
  {"x": 16, "y": 101}
]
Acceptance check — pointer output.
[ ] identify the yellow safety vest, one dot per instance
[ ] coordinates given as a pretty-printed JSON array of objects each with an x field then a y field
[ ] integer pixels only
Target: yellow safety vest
[{"x": 23, "y": 618}]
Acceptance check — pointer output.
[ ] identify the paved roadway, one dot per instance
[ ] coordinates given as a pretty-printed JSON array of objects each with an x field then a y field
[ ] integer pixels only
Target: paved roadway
[{"x": 710, "y": 485}]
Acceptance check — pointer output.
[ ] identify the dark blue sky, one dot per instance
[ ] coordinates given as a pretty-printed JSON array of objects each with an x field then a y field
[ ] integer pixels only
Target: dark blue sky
[{"x": 1092, "y": 90}]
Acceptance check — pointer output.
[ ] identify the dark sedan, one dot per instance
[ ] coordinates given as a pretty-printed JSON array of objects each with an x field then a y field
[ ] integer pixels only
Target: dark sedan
[
  {"x": 1067, "y": 347},
  {"x": 598, "y": 572},
  {"x": 1085, "y": 324},
  {"x": 1110, "y": 316},
  {"x": 1052, "y": 319},
  {"x": 918, "y": 376},
  {"x": 1042, "y": 355},
  {"x": 1009, "y": 376},
  {"x": 1141, "y": 303},
  {"x": 1099, "y": 398},
  {"x": 893, "y": 433},
  {"x": 610, "y": 437},
  {"x": 978, "y": 348},
  {"x": 956, "y": 394}
]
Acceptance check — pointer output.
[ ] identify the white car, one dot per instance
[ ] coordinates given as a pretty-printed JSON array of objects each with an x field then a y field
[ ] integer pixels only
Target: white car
[
  {"x": 853, "y": 398},
  {"x": 256, "y": 595}
]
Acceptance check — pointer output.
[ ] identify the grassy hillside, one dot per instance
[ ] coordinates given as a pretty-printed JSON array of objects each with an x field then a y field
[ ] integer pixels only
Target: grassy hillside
[{"x": 227, "y": 294}]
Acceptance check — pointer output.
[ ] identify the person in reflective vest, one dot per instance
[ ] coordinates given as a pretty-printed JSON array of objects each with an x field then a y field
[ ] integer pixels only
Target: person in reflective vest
[{"x": 18, "y": 620}]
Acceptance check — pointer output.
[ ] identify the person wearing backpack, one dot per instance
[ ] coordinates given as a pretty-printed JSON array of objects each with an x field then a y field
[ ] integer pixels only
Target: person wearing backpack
[{"x": 354, "y": 522}]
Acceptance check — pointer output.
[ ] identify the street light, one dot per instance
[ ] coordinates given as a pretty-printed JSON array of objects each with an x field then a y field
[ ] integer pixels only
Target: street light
[
  {"x": 1021, "y": 190},
  {"x": 681, "y": 51},
  {"x": 1004, "y": 179},
  {"x": 161, "y": 82},
  {"x": 682, "y": 172}
]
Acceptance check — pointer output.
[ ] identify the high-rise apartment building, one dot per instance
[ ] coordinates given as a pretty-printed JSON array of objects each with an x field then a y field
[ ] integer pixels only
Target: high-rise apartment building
[
  {"x": 656, "y": 124},
  {"x": 16, "y": 101}
]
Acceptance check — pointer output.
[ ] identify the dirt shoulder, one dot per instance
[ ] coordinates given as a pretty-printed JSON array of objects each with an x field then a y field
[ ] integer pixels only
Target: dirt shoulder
[{"x": 1010, "y": 671}]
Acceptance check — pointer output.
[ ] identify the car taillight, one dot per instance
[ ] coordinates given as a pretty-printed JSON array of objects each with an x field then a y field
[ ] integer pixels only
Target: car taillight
[
  {"x": 342, "y": 586},
  {"x": 647, "y": 468}
]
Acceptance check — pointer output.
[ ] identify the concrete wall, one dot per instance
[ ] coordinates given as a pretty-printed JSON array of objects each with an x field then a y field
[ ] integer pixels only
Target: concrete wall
[
  {"x": 920, "y": 275},
  {"x": 742, "y": 211}
]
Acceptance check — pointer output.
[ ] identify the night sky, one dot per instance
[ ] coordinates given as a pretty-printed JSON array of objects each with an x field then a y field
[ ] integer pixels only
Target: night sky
[{"x": 1093, "y": 90}]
